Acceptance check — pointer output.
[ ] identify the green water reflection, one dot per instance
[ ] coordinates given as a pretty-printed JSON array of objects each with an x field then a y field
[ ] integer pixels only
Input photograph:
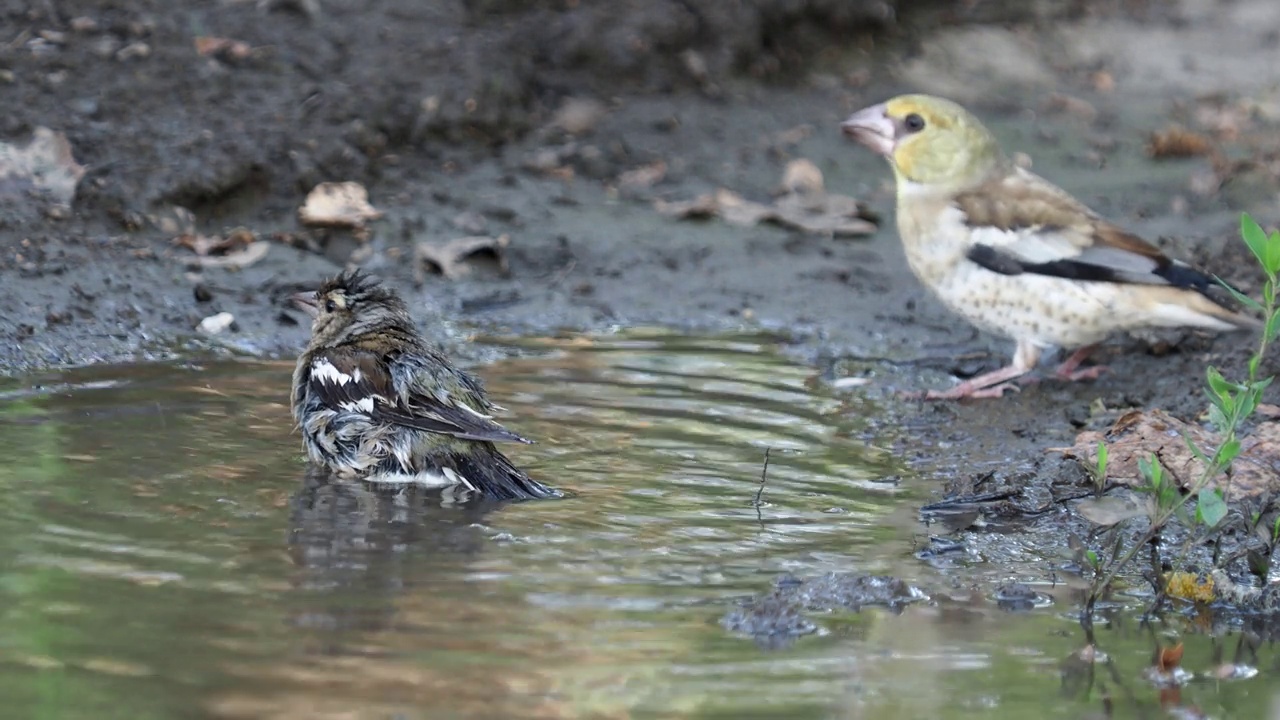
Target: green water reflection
[{"x": 163, "y": 554}]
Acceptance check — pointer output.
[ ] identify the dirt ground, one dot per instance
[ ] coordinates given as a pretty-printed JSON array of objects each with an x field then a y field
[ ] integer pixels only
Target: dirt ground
[{"x": 493, "y": 117}]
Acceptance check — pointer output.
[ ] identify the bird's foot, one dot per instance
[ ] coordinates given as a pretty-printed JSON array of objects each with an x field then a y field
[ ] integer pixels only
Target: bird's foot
[
  {"x": 987, "y": 385},
  {"x": 1089, "y": 373},
  {"x": 963, "y": 390}
]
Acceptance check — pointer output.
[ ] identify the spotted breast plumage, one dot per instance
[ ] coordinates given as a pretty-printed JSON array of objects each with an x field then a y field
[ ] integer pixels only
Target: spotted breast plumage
[
  {"x": 375, "y": 402},
  {"x": 1017, "y": 256}
]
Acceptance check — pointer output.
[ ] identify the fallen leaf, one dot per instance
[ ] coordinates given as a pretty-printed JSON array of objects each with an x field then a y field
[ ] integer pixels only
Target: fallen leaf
[
  {"x": 224, "y": 48},
  {"x": 342, "y": 204},
  {"x": 1071, "y": 105},
  {"x": 643, "y": 177},
  {"x": 237, "y": 259},
  {"x": 803, "y": 177},
  {"x": 449, "y": 258},
  {"x": 1103, "y": 81},
  {"x": 1112, "y": 509},
  {"x": 793, "y": 136},
  {"x": 579, "y": 116},
  {"x": 825, "y": 214},
  {"x": 836, "y": 215},
  {"x": 218, "y": 245},
  {"x": 44, "y": 164},
  {"x": 1138, "y": 435},
  {"x": 1177, "y": 142}
]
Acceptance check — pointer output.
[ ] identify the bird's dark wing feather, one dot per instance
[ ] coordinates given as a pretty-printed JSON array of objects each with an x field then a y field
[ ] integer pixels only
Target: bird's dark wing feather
[
  {"x": 433, "y": 392},
  {"x": 1023, "y": 224},
  {"x": 356, "y": 380}
]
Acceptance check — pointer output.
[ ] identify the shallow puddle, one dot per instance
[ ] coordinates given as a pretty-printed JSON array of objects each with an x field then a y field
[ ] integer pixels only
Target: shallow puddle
[{"x": 163, "y": 555}]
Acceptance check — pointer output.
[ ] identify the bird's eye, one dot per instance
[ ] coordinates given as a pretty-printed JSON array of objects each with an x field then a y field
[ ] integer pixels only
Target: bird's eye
[
  {"x": 330, "y": 305},
  {"x": 913, "y": 122}
]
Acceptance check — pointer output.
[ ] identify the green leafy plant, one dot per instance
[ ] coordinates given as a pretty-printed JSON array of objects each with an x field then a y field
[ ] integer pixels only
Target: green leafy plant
[{"x": 1231, "y": 404}]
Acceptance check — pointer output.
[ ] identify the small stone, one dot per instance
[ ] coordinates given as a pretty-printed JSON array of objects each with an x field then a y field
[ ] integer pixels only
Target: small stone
[
  {"x": 215, "y": 324},
  {"x": 134, "y": 50}
]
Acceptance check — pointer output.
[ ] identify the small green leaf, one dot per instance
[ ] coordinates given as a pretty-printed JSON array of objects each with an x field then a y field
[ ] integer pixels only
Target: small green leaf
[
  {"x": 1272, "y": 263},
  {"x": 1240, "y": 297},
  {"x": 1150, "y": 469},
  {"x": 1196, "y": 452},
  {"x": 1181, "y": 513},
  {"x": 1210, "y": 507},
  {"x": 1219, "y": 384},
  {"x": 1228, "y": 452},
  {"x": 1259, "y": 564},
  {"x": 1275, "y": 530},
  {"x": 1092, "y": 557},
  {"x": 1255, "y": 237},
  {"x": 1273, "y": 327},
  {"x": 1102, "y": 463}
]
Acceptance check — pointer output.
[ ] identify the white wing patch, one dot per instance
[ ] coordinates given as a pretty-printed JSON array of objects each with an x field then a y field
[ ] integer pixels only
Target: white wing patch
[
  {"x": 324, "y": 371},
  {"x": 364, "y": 405},
  {"x": 468, "y": 408}
]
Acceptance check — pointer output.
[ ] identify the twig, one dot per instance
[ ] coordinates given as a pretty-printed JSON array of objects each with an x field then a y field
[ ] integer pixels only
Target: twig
[
  {"x": 563, "y": 273},
  {"x": 764, "y": 475},
  {"x": 969, "y": 500}
]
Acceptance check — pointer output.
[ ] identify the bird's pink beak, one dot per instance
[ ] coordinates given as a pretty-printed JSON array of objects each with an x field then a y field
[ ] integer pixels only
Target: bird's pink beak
[
  {"x": 309, "y": 302},
  {"x": 873, "y": 128}
]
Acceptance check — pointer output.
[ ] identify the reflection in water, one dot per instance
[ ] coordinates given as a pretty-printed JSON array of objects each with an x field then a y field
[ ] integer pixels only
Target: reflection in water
[{"x": 164, "y": 553}]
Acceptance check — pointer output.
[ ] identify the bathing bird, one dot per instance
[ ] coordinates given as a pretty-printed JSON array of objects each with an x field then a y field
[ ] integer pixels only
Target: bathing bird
[{"x": 375, "y": 402}]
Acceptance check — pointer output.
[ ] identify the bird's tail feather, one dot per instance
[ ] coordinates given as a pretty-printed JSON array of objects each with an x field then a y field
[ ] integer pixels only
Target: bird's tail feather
[{"x": 493, "y": 475}]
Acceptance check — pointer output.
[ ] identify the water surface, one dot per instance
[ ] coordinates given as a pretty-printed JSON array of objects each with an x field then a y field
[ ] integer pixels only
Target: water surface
[{"x": 164, "y": 554}]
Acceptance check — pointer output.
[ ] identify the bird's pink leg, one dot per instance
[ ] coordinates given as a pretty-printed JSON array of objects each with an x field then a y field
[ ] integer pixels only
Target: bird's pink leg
[
  {"x": 1068, "y": 369},
  {"x": 994, "y": 383}
]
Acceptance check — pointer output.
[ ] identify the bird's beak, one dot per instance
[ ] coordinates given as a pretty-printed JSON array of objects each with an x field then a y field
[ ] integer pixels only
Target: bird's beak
[
  {"x": 873, "y": 128},
  {"x": 308, "y": 301}
]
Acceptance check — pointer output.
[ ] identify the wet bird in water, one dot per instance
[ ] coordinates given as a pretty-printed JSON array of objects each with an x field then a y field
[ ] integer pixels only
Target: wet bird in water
[
  {"x": 1016, "y": 255},
  {"x": 375, "y": 402}
]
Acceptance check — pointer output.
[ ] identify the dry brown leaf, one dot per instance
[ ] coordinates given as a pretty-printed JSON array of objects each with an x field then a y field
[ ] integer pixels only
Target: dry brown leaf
[
  {"x": 1177, "y": 142},
  {"x": 44, "y": 164},
  {"x": 802, "y": 176},
  {"x": 224, "y": 48},
  {"x": 204, "y": 245},
  {"x": 836, "y": 215},
  {"x": 242, "y": 258},
  {"x": 449, "y": 258},
  {"x": 1071, "y": 105},
  {"x": 1138, "y": 435},
  {"x": 579, "y": 116},
  {"x": 793, "y": 136},
  {"x": 341, "y": 204},
  {"x": 643, "y": 177}
]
